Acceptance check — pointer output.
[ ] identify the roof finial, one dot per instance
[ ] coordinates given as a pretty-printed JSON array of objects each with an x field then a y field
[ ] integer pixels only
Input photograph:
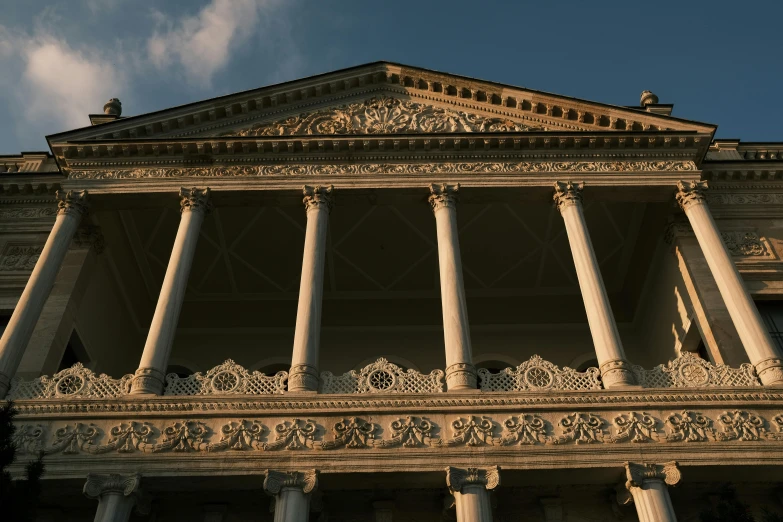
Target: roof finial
[
  {"x": 648, "y": 98},
  {"x": 113, "y": 107}
]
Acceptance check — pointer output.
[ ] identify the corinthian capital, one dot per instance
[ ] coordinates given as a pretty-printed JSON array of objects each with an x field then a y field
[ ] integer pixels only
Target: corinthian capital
[
  {"x": 567, "y": 193},
  {"x": 691, "y": 192},
  {"x": 72, "y": 202},
  {"x": 98, "y": 485},
  {"x": 317, "y": 197},
  {"x": 275, "y": 481},
  {"x": 636, "y": 474},
  {"x": 195, "y": 199},
  {"x": 443, "y": 196},
  {"x": 457, "y": 478}
]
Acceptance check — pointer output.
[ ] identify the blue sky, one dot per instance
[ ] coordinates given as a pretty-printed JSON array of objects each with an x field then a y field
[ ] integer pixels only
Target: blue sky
[{"x": 718, "y": 62}]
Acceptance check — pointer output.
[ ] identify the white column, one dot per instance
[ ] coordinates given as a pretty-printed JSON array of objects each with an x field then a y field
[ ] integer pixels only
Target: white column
[
  {"x": 117, "y": 495},
  {"x": 647, "y": 487},
  {"x": 292, "y": 491},
  {"x": 194, "y": 205},
  {"x": 470, "y": 487},
  {"x": 460, "y": 372},
  {"x": 615, "y": 370},
  {"x": 71, "y": 208},
  {"x": 762, "y": 352},
  {"x": 307, "y": 337}
]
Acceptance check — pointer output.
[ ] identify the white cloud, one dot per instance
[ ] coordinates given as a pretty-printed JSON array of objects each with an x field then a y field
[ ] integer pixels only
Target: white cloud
[
  {"x": 202, "y": 44},
  {"x": 65, "y": 85}
]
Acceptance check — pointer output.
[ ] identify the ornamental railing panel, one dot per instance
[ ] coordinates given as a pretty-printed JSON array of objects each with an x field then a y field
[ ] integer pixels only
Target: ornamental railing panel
[
  {"x": 74, "y": 382},
  {"x": 382, "y": 377},
  {"x": 227, "y": 378},
  {"x": 537, "y": 374},
  {"x": 691, "y": 371}
]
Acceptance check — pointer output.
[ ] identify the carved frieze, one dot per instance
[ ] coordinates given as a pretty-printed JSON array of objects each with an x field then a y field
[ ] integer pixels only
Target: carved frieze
[
  {"x": 369, "y": 169},
  {"x": 741, "y": 243},
  {"x": 14, "y": 213},
  {"x": 383, "y": 115},
  {"x": 19, "y": 257}
]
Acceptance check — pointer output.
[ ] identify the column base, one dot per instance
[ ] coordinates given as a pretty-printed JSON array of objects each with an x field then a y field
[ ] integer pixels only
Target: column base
[
  {"x": 617, "y": 374},
  {"x": 303, "y": 378},
  {"x": 770, "y": 372},
  {"x": 461, "y": 377},
  {"x": 148, "y": 381}
]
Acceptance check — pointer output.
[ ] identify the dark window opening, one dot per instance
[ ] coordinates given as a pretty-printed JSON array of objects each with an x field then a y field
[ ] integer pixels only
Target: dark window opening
[
  {"x": 493, "y": 366},
  {"x": 181, "y": 371},
  {"x": 590, "y": 363},
  {"x": 274, "y": 368},
  {"x": 772, "y": 314}
]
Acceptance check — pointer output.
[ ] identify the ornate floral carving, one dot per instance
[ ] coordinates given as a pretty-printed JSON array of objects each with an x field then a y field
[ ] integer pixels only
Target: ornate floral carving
[
  {"x": 524, "y": 429},
  {"x": 777, "y": 420},
  {"x": 538, "y": 374},
  {"x": 688, "y": 426},
  {"x": 443, "y": 196},
  {"x": 383, "y": 115},
  {"x": 28, "y": 212},
  {"x": 567, "y": 194},
  {"x": 20, "y": 257},
  {"x": 293, "y": 435},
  {"x": 317, "y": 197},
  {"x": 76, "y": 381},
  {"x": 470, "y": 432},
  {"x": 409, "y": 432},
  {"x": 746, "y": 244},
  {"x": 691, "y": 371},
  {"x": 126, "y": 438},
  {"x": 239, "y": 435},
  {"x": 72, "y": 202},
  {"x": 458, "y": 478},
  {"x": 351, "y": 433},
  {"x": 195, "y": 199},
  {"x": 382, "y": 377},
  {"x": 183, "y": 436},
  {"x": 368, "y": 169},
  {"x": 741, "y": 425},
  {"x": 691, "y": 192},
  {"x": 275, "y": 481},
  {"x": 634, "y": 427},
  {"x": 226, "y": 378},
  {"x": 71, "y": 439},
  {"x": 581, "y": 428},
  {"x": 29, "y": 438}
]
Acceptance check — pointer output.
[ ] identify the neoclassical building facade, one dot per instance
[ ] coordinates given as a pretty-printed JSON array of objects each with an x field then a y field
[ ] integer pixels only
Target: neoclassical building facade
[{"x": 392, "y": 294}]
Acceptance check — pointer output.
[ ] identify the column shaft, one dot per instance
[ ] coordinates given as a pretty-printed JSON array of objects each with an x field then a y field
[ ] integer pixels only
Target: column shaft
[
  {"x": 460, "y": 372},
  {"x": 471, "y": 487},
  {"x": 72, "y": 206},
  {"x": 652, "y": 502},
  {"x": 114, "y": 507},
  {"x": 292, "y": 490},
  {"x": 762, "y": 352},
  {"x": 307, "y": 336},
  {"x": 117, "y": 495},
  {"x": 150, "y": 375},
  {"x": 292, "y": 505},
  {"x": 609, "y": 351}
]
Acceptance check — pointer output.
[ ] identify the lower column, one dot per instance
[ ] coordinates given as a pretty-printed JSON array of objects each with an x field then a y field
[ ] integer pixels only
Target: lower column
[
  {"x": 117, "y": 495},
  {"x": 292, "y": 491},
  {"x": 647, "y": 487},
  {"x": 471, "y": 487}
]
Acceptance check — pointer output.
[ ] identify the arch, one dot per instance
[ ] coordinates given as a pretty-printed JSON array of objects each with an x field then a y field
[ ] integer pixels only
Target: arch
[
  {"x": 578, "y": 362},
  {"x": 271, "y": 365},
  {"x": 183, "y": 363},
  {"x": 480, "y": 360},
  {"x": 399, "y": 361}
]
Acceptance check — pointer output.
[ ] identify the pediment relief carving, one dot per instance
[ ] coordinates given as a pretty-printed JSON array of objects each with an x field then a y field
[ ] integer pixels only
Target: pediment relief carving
[{"x": 384, "y": 115}]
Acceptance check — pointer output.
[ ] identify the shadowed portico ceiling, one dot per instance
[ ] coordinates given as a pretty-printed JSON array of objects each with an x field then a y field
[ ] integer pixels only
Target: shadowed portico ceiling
[{"x": 385, "y": 251}]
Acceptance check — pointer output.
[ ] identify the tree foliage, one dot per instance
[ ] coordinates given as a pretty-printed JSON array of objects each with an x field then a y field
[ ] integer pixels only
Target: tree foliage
[{"x": 18, "y": 498}]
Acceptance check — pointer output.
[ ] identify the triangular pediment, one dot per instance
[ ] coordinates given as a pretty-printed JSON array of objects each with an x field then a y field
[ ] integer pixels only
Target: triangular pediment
[{"x": 381, "y": 98}]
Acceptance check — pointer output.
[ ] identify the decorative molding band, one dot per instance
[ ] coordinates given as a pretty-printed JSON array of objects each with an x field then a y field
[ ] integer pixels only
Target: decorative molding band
[
  {"x": 15, "y": 213},
  {"x": 766, "y": 198},
  {"x": 353, "y": 169},
  {"x": 408, "y": 432}
]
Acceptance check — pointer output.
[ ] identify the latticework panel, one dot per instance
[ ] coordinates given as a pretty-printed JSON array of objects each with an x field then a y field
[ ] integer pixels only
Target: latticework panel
[
  {"x": 382, "y": 377},
  {"x": 538, "y": 374},
  {"x": 227, "y": 378},
  {"x": 76, "y": 381},
  {"x": 691, "y": 371}
]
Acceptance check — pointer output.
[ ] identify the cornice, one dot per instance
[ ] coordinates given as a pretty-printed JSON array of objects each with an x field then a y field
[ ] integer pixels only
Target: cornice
[{"x": 257, "y": 105}]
